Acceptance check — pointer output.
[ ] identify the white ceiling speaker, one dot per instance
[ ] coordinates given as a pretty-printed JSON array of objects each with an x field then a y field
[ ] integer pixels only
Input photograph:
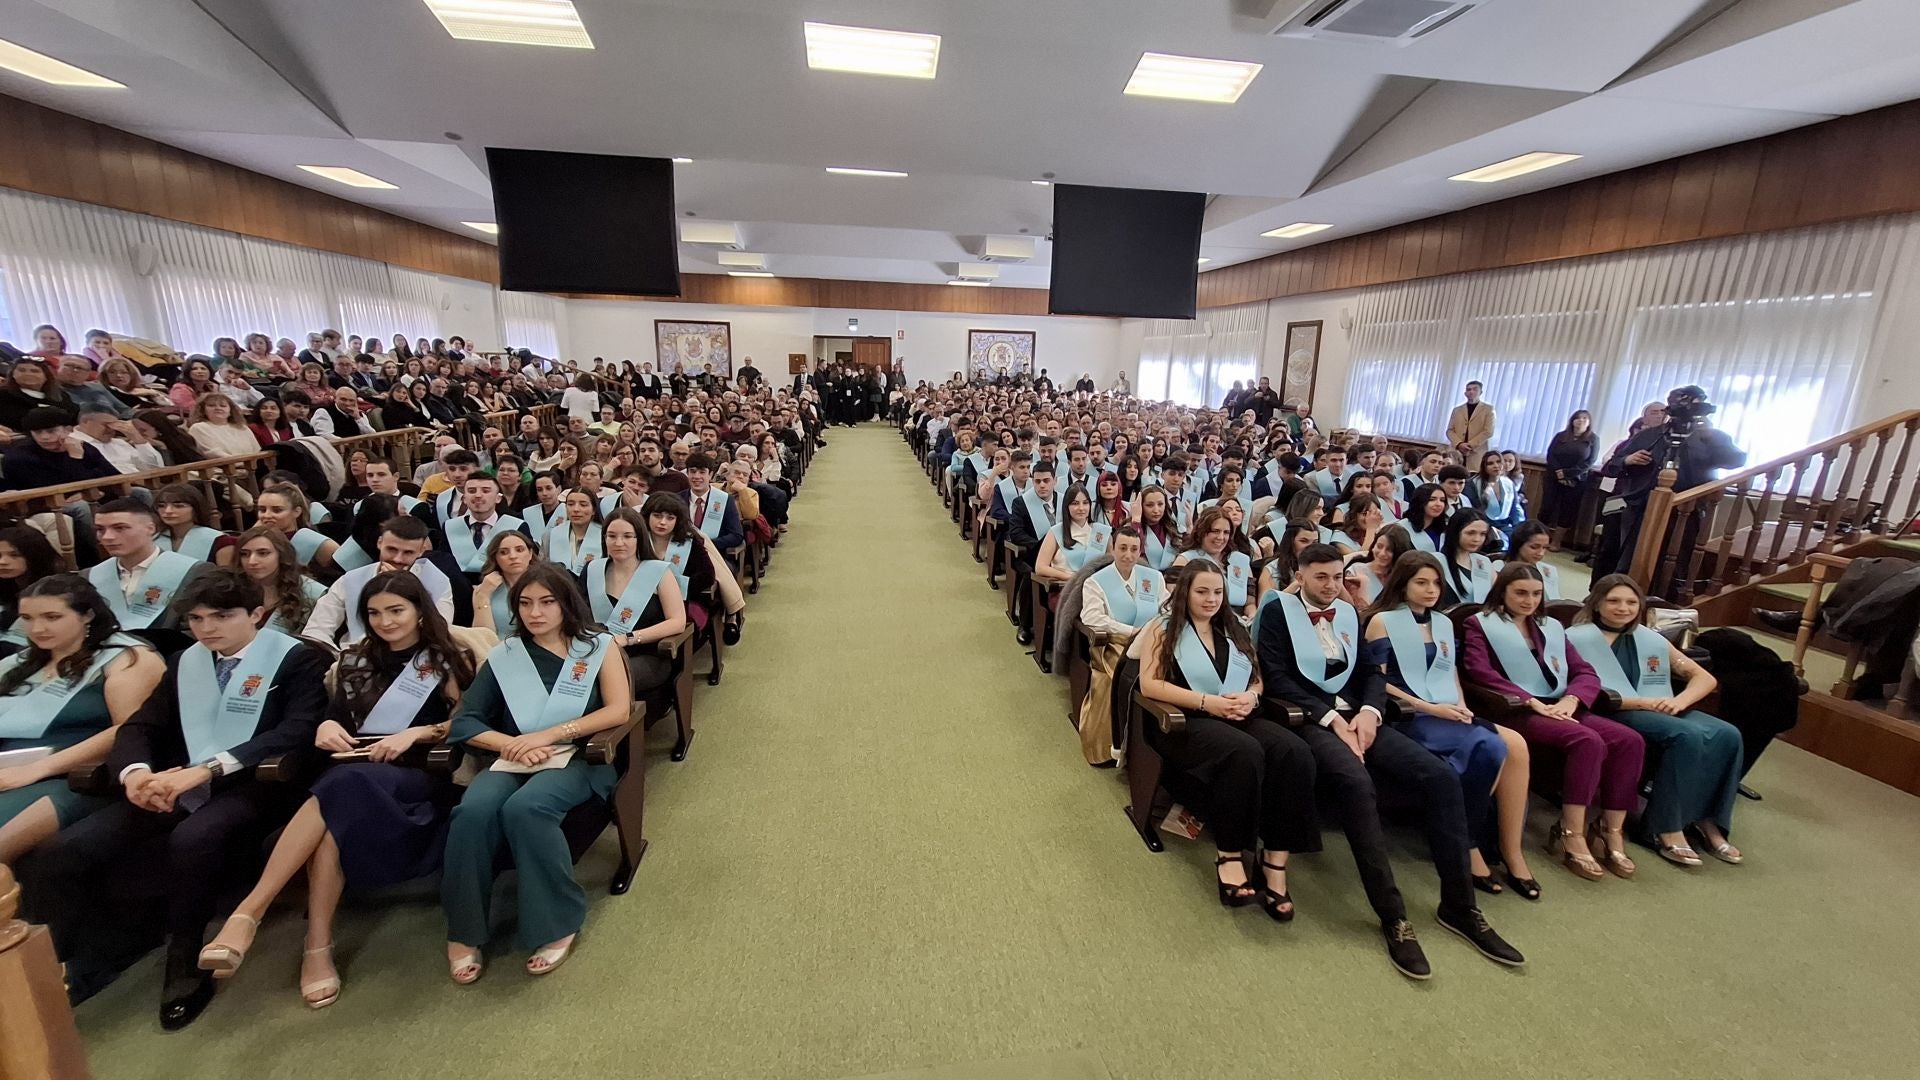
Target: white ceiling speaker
[
  {"x": 145, "y": 258},
  {"x": 977, "y": 271},
  {"x": 1381, "y": 22},
  {"x": 726, "y": 234},
  {"x": 742, "y": 260},
  {"x": 1006, "y": 248}
]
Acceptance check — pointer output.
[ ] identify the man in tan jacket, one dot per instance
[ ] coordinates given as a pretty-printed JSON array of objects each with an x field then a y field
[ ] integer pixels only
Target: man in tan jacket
[{"x": 1470, "y": 428}]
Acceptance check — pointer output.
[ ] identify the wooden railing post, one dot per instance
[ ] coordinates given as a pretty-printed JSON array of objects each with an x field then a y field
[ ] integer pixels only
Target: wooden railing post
[
  {"x": 37, "y": 1038},
  {"x": 1653, "y": 531}
]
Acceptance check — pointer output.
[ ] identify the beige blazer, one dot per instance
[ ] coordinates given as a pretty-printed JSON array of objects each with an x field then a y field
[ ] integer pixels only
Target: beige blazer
[{"x": 1478, "y": 432}]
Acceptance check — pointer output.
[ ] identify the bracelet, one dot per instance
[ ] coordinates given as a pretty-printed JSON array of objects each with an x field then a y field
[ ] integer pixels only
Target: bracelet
[{"x": 1203, "y": 703}]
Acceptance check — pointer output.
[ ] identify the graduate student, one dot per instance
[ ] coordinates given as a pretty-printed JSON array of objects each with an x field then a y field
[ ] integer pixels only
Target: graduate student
[
  {"x": 269, "y": 561},
  {"x": 186, "y": 525},
  {"x": 509, "y": 554},
  {"x": 185, "y": 763},
  {"x": 714, "y": 512},
  {"x": 1116, "y": 601},
  {"x": 138, "y": 579},
  {"x": 535, "y": 701},
  {"x": 1074, "y": 539},
  {"x": 285, "y": 509},
  {"x": 636, "y": 597},
  {"x": 1529, "y": 545},
  {"x": 402, "y": 546},
  {"x": 467, "y": 533}
]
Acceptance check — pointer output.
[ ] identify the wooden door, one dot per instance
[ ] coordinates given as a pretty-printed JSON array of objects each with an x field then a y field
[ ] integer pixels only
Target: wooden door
[{"x": 873, "y": 353}]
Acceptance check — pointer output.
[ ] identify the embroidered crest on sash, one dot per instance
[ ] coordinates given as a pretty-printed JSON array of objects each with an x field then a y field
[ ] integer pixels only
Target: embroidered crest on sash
[
  {"x": 153, "y": 594},
  {"x": 579, "y": 671},
  {"x": 251, "y": 686}
]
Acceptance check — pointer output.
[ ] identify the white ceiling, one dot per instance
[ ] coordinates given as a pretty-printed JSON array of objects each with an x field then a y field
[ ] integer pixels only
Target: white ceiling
[{"x": 1358, "y": 136}]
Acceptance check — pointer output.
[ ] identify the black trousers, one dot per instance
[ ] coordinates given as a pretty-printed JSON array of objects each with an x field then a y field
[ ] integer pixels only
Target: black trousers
[
  {"x": 1396, "y": 760},
  {"x": 1251, "y": 782},
  {"x": 205, "y": 852}
]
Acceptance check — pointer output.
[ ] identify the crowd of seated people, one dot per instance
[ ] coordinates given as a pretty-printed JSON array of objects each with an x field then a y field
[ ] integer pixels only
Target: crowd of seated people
[
  {"x": 199, "y": 714},
  {"x": 1316, "y": 623}
]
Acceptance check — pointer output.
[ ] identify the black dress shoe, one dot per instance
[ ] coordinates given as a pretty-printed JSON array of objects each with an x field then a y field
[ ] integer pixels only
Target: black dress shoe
[
  {"x": 732, "y": 626},
  {"x": 1748, "y": 793},
  {"x": 178, "y": 1011},
  {"x": 1472, "y": 925},
  {"x": 1403, "y": 950},
  {"x": 1779, "y": 620},
  {"x": 1024, "y": 637}
]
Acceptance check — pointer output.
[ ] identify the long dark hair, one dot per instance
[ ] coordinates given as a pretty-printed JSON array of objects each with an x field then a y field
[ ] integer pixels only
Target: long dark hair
[
  {"x": 1357, "y": 506},
  {"x": 1066, "y": 531},
  {"x": 1450, "y": 547},
  {"x": 1416, "y": 518},
  {"x": 1285, "y": 559},
  {"x": 293, "y": 607},
  {"x": 1178, "y": 615},
  {"x": 1304, "y": 502},
  {"x": 576, "y": 618},
  {"x": 42, "y": 561},
  {"x": 82, "y": 599},
  {"x": 370, "y": 664},
  {"x": 1512, "y": 572},
  {"x": 189, "y": 496},
  {"x": 643, "y": 539},
  {"x": 500, "y": 537},
  {"x": 1582, "y": 436},
  {"x": 1393, "y": 591},
  {"x": 180, "y": 448},
  {"x": 665, "y": 502}
]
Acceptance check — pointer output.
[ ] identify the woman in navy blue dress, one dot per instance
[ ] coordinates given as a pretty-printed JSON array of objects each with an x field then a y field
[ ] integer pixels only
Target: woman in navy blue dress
[{"x": 369, "y": 823}]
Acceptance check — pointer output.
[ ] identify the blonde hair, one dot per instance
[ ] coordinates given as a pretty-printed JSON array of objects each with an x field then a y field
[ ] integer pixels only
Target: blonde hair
[{"x": 199, "y": 413}]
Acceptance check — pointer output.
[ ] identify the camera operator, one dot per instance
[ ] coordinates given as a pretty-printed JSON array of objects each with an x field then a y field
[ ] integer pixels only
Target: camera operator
[{"x": 1690, "y": 445}]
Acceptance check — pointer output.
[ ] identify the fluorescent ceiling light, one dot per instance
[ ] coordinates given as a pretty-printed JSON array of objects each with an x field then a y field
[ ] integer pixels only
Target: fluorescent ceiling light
[
  {"x": 745, "y": 260},
  {"x": 1512, "y": 167},
  {"x": 871, "y": 52},
  {"x": 513, "y": 22},
  {"x": 683, "y": 161},
  {"x": 350, "y": 177},
  {"x": 1041, "y": 183},
  {"x": 964, "y": 281},
  {"x": 843, "y": 170},
  {"x": 20, "y": 59},
  {"x": 748, "y": 273},
  {"x": 1297, "y": 229},
  {"x": 488, "y": 227},
  {"x": 1191, "y": 78},
  {"x": 1203, "y": 261}
]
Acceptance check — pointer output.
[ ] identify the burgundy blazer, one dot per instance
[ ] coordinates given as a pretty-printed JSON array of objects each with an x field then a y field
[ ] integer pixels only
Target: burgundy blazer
[{"x": 1479, "y": 666}]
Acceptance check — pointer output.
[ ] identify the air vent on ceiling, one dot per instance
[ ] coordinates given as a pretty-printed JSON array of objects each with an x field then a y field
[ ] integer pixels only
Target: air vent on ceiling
[
  {"x": 1006, "y": 249},
  {"x": 1389, "y": 22},
  {"x": 724, "y": 234}
]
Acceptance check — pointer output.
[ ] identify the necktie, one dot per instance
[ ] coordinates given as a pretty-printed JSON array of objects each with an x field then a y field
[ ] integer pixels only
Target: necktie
[
  {"x": 223, "y": 669},
  {"x": 699, "y": 511},
  {"x": 1319, "y": 617},
  {"x": 479, "y": 535}
]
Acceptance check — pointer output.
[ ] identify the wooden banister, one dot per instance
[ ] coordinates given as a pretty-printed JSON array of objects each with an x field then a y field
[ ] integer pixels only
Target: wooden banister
[
  {"x": 38, "y": 1040},
  {"x": 1908, "y": 419}
]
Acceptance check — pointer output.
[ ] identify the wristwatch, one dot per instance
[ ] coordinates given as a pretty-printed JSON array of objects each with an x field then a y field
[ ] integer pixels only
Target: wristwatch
[{"x": 215, "y": 767}]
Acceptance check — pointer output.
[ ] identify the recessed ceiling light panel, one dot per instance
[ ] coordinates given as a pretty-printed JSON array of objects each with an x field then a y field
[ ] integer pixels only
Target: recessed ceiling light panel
[
  {"x": 513, "y": 22},
  {"x": 748, "y": 273},
  {"x": 1297, "y": 229},
  {"x": 872, "y": 52},
  {"x": 744, "y": 260},
  {"x": 488, "y": 227},
  {"x": 340, "y": 174},
  {"x": 683, "y": 161},
  {"x": 1203, "y": 261},
  {"x": 1191, "y": 78},
  {"x": 1512, "y": 167},
  {"x": 847, "y": 170},
  {"x": 24, "y": 61},
  {"x": 965, "y": 281}
]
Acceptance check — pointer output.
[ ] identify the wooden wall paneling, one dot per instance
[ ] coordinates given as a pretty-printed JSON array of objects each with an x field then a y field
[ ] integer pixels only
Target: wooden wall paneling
[
  {"x": 1583, "y": 209},
  {"x": 1616, "y": 209},
  {"x": 1651, "y": 190},
  {"x": 1895, "y": 162},
  {"x": 1687, "y": 199},
  {"x": 1776, "y": 194},
  {"x": 1735, "y": 174},
  {"x": 1835, "y": 150}
]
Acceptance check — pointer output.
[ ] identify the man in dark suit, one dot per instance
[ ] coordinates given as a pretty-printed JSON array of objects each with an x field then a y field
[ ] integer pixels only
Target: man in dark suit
[
  {"x": 1024, "y": 532},
  {"x": 1697, "y": 452},
  {"x": 185, "y": 764},
  {"x": 1310, "y": 658},
  {"x": 727, "y": 533}
]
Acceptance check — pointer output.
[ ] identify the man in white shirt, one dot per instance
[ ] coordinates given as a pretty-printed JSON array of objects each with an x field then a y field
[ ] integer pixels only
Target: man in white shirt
[
  {"x": 467, "y": 535},
  {"x": 581, "y": 400},
  {"x": 118, "y": 441},
  {"x": 138, "y": 580},
  {"x": 1115, "y": 603},
  {"x": 403, "y": 540}
]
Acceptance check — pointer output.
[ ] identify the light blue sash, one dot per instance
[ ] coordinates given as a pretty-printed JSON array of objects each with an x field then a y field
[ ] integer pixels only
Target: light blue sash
[
  {"x": 531, "y": 705},
  {"x": 318, "y": 514},
  {"x": 1499, "y": 501},
  {"x": 1238, "y": 572},
  {"x": 633, "y": 599},
  {"x": 677, "y": 557},
  {"x": 31, "y": 710},
  {"x": 162, "y": 580},
  {"x": 610, "y": 501},
  {"x": 1197, "y": 665},
  {"x": 1158, "y": 555},
  {"x": 214, "y": 720},
  {"x": 1324, "y": 482},
  {"x": 314, "y": 591},
  {"x": 1421, "y": 541},
  {"x": 716, "y": 516},
  {"x": 559, "y": 546},
  {"x": 198, "y": 544},
  {"x": 353, "y": 586},
  {"x": 1266, "y": 601},
  {"x": 442, "y": 504},
  {"x": 401, "y": 702},
  {"x": 546, "y": 522},
  {"x": 1010, "y": 494},
  {"x": 505, "y": 619},
  {"x": 1273, "y": 478},
  {"x": 1077, "y": 555},
  {"x": 1370, "y": 583},
  {"x": 459, "y": 534},
  {"x": 351, "y": 556},
  {"x": 1307, "y": 651},
  {"x": 1654, "y": 679},
  {"x": 1517, "y": 659},
  {"x": 1131, "y": 601},
  {"x": 306, "y": 544},
  {"x": 1429, "y": 682},
  {"x": 1037, "y": 515},
  {"x": 1479, "y": 579}
]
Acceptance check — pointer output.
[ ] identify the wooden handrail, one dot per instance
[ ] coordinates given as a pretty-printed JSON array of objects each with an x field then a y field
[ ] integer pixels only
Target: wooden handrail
[
  {"x": 1763, "y": 469},
  {"x": 38, "y": 1040},
  {"x": 124, "y": 482}
]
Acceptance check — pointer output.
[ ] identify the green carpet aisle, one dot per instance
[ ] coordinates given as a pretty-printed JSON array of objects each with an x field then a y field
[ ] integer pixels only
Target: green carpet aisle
[{"x": 884, "y": 852}]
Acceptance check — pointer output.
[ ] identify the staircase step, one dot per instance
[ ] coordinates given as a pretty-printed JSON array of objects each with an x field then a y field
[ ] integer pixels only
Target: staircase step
[
  {"x": 1906, "y": 547},
  {"x": 1796, "y": 591}
]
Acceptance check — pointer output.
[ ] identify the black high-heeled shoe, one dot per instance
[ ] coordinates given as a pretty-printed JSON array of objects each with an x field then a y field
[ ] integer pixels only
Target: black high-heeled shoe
[
  {"x": 1525, "y": 886},
  {"x": 1229, "y": 891},
  {"x": 1486, "y": 883},
  {"x": 1270, "y": 901}
]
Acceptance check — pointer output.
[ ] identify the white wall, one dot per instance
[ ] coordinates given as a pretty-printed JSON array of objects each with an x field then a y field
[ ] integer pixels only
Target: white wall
[
  {"x": 470, "y": 312},
  {"x": 1336, "y": 346},
  {"x": 934, "y": 346}
]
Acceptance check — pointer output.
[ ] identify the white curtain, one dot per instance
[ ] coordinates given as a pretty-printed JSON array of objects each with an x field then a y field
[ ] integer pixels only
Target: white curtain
[
  {"x": 1196, "y": 361},
  {"x": 1775, "y": 326},
  {"x": 531, "y": 321},
  {"x": 81, "y": 267}
]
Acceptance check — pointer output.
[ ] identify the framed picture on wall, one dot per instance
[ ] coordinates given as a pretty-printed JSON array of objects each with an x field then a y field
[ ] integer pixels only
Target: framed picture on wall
[
  {"x": 992, "y": 353},
  {"x": 691, "y": 347},
  {"x": 1303, "y": 362}
]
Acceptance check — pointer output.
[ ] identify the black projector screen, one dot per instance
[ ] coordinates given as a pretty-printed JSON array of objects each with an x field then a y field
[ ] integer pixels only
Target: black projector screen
[
  {"x": 592, "y": 223},
  {"x": 1125, "y": 252}
]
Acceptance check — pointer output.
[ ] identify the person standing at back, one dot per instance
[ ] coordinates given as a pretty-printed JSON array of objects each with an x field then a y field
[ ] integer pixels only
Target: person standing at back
[{"x": 1470, "y": 427}]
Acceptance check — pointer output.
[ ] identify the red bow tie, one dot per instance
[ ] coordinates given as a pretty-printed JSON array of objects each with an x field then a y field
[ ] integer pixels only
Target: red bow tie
[{"x": 1319, "y": 617}]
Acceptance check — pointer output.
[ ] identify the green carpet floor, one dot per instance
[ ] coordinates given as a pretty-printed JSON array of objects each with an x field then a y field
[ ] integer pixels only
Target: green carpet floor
[{"x": 885, "y": 853}]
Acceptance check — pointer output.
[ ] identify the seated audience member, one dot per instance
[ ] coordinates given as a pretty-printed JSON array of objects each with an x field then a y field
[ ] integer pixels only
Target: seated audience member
[
  {"x": 1160, "y": 538},
  {"x": 218, "y": 428},
  {"x": 1698, "y": 774},
  {"x": 370, "y": 821},
  {"x": 1116, "y": 601},
  {"x": 1248, "y": 777},
  {"x": 1326, "y": 480},
  {"x": 1367, "y": 574},
  {"x": 138, "y": 579},
  {"x": 52, "y": 454},
  {"x": 285, "y": 509},
  {"x": 1512, "y": 648},
  {"x": 466, "y": 534},
  {"x": 1008, "y": 490},
  {"x": 714, "y": 513},
  {"x": 1529, "y": 544},
  {"x": 1310, "y": 657},
  {"x": 445, "y": 489},
  {"x": 187, "y": 525},
  {"x": 1181, "y": 498},
  {"x": 670, "y": 537},
  {"x": 1426, "y": 520},
  {"x": 1362, "y": 522},
  {"x": 383, "y": 479},
  {"x": 74, "y": 680},
  {"x": 119, "y": 441},
  {"x": 577, "y": 541},
  {"x": 121, "y": 378},
  {"x": 269, "y": 561},
  {"x": 547, "y": 509},
  {"x": 76, "y": 378},
  {"x": 403, "y": 541},
  {"x": 1281, "y": 478},
  {"x": 1469, "y": 574},
  {"x": 26, "y": 556},
  {"x": 1214, "y": 539},
  {"x": 1453, "y": 480},
  {"x": 1497, "y": 496},
  {"x": 31, "y": 385},
  {"x": 342, "y": 416},
  {"x": 1418, "y": 655},
  {"x": 1034, "y": 516},
  {"x": 509, "y": 554},
  {"x": 1110, "y": 500},
  {"x": 1073, "y": 540},
  {"x": 637, "y": 598},
  {"x": 186, "y": 765},
  {"x": 540, "y": 694}
]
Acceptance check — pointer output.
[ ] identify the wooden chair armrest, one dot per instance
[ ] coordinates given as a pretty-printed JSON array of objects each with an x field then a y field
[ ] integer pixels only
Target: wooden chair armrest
[
  {"x": 604, "y": 747},
  {"x": 1821, "y": 558},
  {"x": 299, "y": 767},
  {"x": 1606, "y": 703},
  {"x": 678, "y": 643},
  {"x": 93, "y": 779},
  {"x": 1171, "y": 721},
  {"x": 1095, "y": 639},
  {"x": 1494, "y": 706},
  {"x": 1282, "y": 712}
]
